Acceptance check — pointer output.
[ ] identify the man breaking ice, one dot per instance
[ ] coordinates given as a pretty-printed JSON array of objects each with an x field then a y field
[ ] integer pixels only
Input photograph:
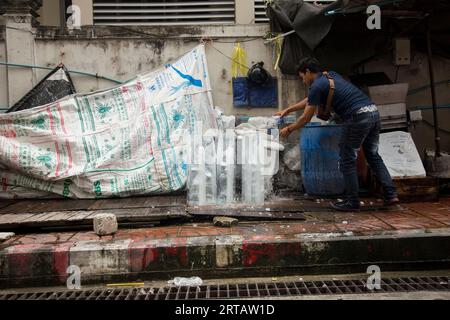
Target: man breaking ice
[{"x": 330, "y": 93}]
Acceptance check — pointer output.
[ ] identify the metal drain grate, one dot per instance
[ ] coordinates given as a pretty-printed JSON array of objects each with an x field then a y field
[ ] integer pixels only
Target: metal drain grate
[{"x": 252, "y": 290}]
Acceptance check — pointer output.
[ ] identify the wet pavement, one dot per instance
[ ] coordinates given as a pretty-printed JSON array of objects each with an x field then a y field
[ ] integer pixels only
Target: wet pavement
[{"x": 413, "y": 233}]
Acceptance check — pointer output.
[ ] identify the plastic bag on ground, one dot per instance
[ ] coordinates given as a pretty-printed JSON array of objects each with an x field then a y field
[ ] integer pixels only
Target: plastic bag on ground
[{"x": 186, "y": 282}]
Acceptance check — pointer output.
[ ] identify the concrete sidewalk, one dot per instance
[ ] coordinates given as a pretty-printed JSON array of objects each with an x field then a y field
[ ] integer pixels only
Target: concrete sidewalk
[{"x": 415, "y": 234}]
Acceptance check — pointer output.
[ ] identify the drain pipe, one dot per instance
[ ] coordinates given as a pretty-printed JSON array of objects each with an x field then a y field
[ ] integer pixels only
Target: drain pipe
[{"x": 433, "y": 89}]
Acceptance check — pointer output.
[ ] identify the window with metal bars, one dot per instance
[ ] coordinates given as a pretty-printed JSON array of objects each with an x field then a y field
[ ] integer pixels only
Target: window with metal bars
[
  {"x": 260, "y": 11},
  {"x": 163, "y": 12}
]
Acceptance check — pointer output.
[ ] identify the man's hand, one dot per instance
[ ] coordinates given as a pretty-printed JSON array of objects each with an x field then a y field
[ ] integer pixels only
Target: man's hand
[
  {"x": 285, "y": 132},
  {"x": 282, "y": 113},
  {"x": 305, "y": 118}
]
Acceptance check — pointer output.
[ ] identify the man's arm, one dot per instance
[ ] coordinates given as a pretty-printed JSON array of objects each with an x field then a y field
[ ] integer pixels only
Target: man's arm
[
  {"x": 298, "y": 106},
  {"x": 304, "y": 119}
]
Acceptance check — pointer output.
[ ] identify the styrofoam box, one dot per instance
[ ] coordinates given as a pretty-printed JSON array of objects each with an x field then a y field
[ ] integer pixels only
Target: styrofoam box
[{"x": 389, "y": 94}]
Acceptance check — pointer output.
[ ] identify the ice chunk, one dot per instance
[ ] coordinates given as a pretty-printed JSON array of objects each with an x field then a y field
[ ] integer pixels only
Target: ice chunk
[
  {"x": 229, "y": 122},
  {"x": 291, "y": 158},
  {"x": 196, "y": 182},
  {"x": 263, "y": 122},
  {"x": 252, "y": 178},
  {"x": 226, "y": 163},
  {"x": 210, "y": 171}
]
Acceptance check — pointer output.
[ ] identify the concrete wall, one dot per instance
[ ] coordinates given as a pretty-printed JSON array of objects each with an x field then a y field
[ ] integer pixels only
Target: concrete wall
[{"x": 122, "y": 58}]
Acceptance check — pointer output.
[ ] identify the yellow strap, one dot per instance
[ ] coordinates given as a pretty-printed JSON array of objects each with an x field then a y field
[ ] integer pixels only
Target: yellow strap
[{"x": 277, "y": 47}]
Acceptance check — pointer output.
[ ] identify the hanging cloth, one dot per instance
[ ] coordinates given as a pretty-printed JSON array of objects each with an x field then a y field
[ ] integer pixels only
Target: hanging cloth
[{"x": 238, "y": 62}]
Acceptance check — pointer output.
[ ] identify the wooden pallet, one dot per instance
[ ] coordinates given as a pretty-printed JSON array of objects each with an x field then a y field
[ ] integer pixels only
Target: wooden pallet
[
  {"x": 31, "y": 214},
  {"x": 414, "y": 189}
]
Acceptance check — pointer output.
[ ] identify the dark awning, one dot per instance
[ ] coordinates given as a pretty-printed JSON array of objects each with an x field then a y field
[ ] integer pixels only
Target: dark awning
[{"x": 337, "y": 34}]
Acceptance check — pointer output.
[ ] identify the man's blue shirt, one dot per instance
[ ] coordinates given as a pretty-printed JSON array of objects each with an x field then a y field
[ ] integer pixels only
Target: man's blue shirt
[{"x": 347, "y": 98}]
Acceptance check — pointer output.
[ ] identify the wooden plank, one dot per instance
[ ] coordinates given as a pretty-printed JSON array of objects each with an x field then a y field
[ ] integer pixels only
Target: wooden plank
[
  {"x": 81, "y": 216},
  {"x": 67, "y": 205},
  {"x": 147, "y": 214},
  {"x": 50, "y": 205},
  {"x": 21, "y": 206},
  {"x": 84, "y": 217},
  {"x": 117, "y": 203},
  {"x": 62, "y": 216},
  {"x": 139, "y": 202},
  {"x": 10, "y": 222},
  {"x": 12, "y": 218},
  {"x": 36, "y": 220},
  {"x": 293, "y": 214},
  {"x": 127, "y": 212},
  {"x": 420, "y": 189},
  {"x": 413, "y": 189},
  {"x": 39, "y": 217},
  {"x": 5, "y": 203},
  {"x": 40, "y": 206}
]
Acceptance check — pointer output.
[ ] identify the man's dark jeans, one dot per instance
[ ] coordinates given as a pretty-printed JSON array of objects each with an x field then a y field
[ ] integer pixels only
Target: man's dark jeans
[{"x": 363, "y": 130}]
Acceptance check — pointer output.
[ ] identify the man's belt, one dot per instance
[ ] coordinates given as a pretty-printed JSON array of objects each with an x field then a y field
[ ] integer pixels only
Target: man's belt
[{"x": 370, "y": 108}]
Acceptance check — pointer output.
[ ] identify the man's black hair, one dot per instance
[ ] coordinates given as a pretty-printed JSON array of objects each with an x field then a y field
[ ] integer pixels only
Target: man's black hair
[{"x": 308, "y": 63}]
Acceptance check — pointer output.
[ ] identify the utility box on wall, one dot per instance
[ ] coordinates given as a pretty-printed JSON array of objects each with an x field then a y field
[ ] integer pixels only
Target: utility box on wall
[{"x": 402, "y": 51}]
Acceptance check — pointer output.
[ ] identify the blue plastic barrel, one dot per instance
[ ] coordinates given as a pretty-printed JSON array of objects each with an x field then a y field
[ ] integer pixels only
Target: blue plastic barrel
[{"x": 319, "y": 145}]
